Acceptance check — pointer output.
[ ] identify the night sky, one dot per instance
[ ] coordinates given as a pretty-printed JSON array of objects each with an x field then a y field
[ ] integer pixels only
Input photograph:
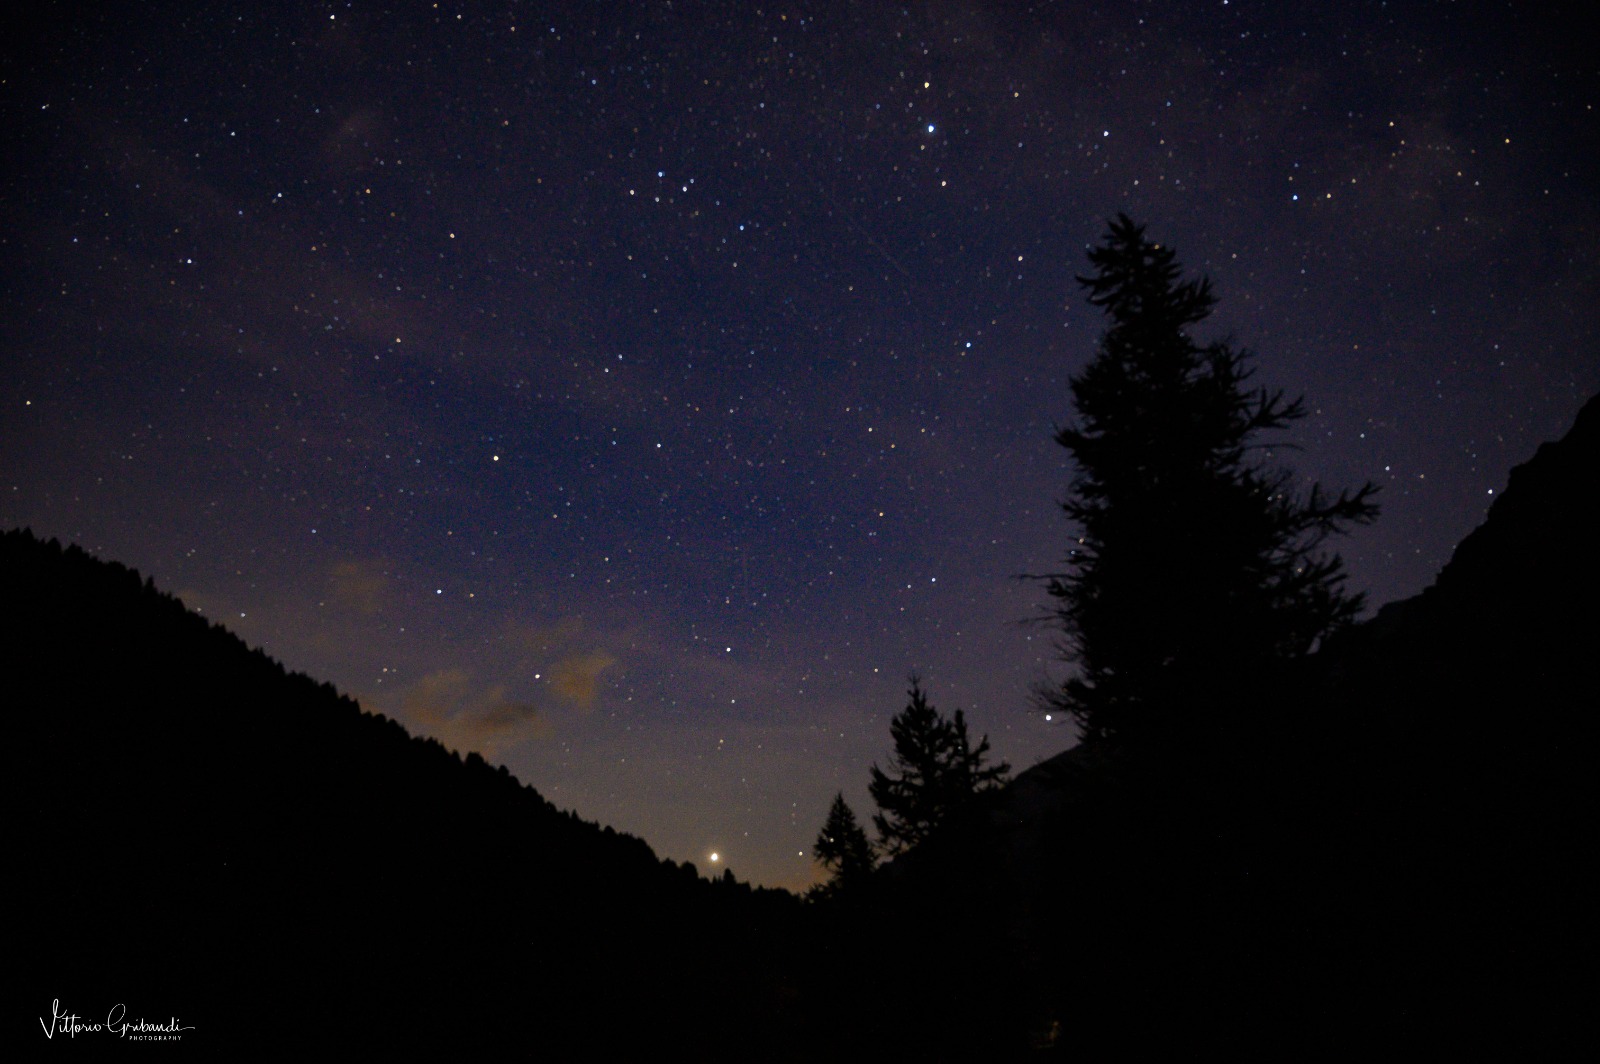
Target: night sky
[{"x": 636, "y": 394}]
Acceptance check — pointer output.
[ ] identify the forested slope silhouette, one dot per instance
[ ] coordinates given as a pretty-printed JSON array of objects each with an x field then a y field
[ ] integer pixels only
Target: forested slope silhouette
[{"x": 206, "y": 834}]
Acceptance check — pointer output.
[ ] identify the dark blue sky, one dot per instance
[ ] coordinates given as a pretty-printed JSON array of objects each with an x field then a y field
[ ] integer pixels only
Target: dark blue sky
[{"x": 637, "y": 393}]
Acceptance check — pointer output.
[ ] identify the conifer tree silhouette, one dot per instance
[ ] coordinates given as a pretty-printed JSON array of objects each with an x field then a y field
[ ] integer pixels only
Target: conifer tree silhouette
[
  {"x": 1194, "y": 560},
  {"x": 843, "y": 848},
  {"x": 935, "y": 772}
]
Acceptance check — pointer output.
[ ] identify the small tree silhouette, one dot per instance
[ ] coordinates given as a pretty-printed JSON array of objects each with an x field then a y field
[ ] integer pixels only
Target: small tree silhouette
[
  {"x": 843, "y": 848},
  {"x": 935, "y": 772}
]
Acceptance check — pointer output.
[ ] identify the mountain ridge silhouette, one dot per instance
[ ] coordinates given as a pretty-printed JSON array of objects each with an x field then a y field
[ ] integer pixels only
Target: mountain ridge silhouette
[{"x": 204, "y": 833}]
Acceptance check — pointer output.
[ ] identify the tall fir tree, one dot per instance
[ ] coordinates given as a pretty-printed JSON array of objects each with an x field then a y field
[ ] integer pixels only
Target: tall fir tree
[
  {"x": 935, "y": 772},
  {"x": 1196, "y": 562}
]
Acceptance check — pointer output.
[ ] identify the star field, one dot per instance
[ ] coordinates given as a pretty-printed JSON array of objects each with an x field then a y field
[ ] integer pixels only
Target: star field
[{"x": 637, "y": 394}]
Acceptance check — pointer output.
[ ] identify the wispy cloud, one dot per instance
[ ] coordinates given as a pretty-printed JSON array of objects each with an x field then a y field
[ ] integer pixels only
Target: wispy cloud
[
  {"x": 577, "y": 679},
  {"x": 466, "y": 714},
  {"x": 360, "y": 585}
]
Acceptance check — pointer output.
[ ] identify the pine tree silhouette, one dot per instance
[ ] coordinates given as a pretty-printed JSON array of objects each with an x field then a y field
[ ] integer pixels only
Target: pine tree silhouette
[
  {"x": 1195, "y": 563},
  {"x": 935, "y": 772},
  {"x": 843, "y": 848}
]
